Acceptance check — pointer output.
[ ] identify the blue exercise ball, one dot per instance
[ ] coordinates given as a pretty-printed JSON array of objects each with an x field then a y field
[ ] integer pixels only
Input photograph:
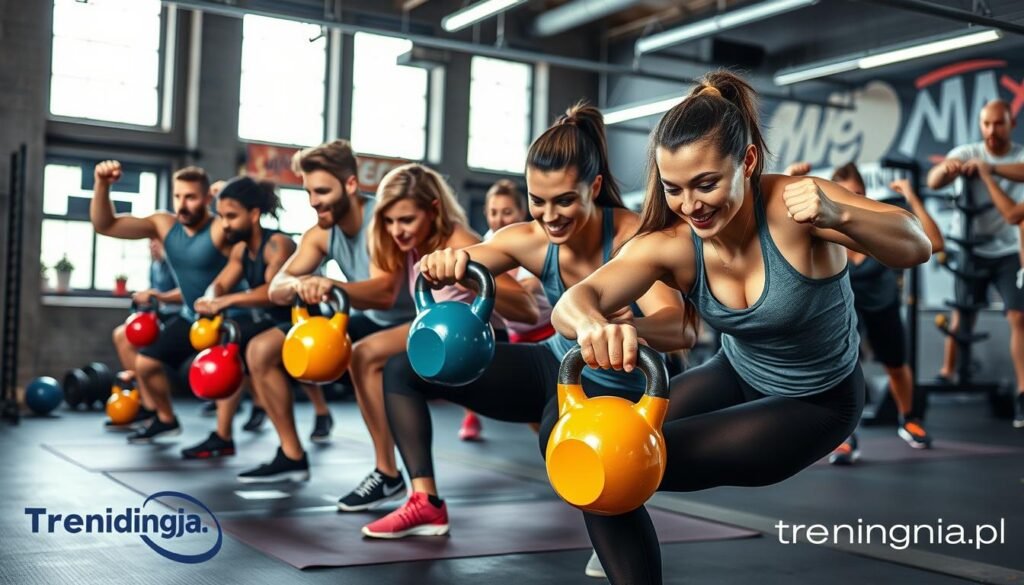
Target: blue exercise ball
[{"x": 43, "y": 394}]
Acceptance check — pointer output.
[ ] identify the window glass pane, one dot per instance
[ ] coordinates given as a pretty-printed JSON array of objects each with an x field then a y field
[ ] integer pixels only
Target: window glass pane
[
  {"x": 389, "y": 101},
  {"x": 105, "y": 62},
  {"x": 73, "y": 238},
  {"x": 129, "y": 257},
  {"x": 296, "y": 214},
  {"x": 282, "y": 89},
  {"x": 63, "y": 195},
  {"x": 499, "y": 114}
]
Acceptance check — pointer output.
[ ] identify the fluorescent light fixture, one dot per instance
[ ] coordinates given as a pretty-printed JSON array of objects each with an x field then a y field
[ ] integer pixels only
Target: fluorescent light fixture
[
  {"x": 710, "y": 26},
  {"x": 930, "y": 48},
  {"x": 475, "y": 13},
  {"x": 888, "y": 55},
  {"x": 634, "y": 111}
]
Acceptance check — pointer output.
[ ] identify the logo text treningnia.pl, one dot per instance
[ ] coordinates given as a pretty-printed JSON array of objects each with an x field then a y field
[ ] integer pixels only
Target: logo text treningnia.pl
[{"x": 166, "y": 526}]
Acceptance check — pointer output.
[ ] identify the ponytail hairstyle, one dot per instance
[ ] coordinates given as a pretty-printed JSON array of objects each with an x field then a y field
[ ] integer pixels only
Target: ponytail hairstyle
[
  {"x": 430, "y": 192},
  {"x": 252, "y": 194},
  {"x": 722, "y": 110},
  {"x": 577, "y": 140}
]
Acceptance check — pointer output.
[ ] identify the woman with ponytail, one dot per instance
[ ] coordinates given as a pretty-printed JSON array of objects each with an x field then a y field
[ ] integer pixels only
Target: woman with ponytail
[
  {"x": 580, "y": 221},
  {"x": 763, "y": 260}
]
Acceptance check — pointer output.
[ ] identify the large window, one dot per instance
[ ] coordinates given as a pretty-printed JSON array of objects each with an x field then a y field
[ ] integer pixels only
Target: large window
[
  {"x": 66, "y": 230},
  {"x": 282, "y": 91},
  {"x": 389, "y": 101},
  {"x": 500, "y": 93},
  {"x": 106, "y": 60}
]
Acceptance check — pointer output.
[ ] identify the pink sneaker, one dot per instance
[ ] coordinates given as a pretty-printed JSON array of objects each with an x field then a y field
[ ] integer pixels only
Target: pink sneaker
[
  {"x": 417, "y": 517},
  {"x": 471, "y": 428}
]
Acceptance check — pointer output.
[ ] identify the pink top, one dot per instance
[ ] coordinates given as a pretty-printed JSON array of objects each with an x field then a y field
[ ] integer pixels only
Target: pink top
[{"x": 448, "y": 293}]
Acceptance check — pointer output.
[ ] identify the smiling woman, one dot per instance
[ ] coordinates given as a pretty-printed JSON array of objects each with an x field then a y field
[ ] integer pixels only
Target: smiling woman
[{"x": 786, "y": 387}]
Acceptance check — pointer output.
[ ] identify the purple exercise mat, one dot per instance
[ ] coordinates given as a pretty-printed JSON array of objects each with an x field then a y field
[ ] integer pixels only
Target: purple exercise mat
[{"x": 334, "y": 540}]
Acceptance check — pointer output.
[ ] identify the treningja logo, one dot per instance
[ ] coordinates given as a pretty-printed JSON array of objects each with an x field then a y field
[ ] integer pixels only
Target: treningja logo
[{"x": 173, "y": 529}]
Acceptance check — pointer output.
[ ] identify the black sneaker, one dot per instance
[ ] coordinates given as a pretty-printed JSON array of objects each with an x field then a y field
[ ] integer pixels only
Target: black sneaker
[
  {"x": 322, "y": 428},
  {"x": 374, "y": 490},
  {"x": 846, "y": 453},
  {"x": 912, "y": 431},
  {"x": 209, "y": 409},
  {"x": 213, "y": 446},
  {"x": 156, "y": 429},
  {"x": 141, "y": 417},
  {"x": 1018, "y": 416},
  {"x": 256, "y": 419},
  {"x": 280, "y": 469}
]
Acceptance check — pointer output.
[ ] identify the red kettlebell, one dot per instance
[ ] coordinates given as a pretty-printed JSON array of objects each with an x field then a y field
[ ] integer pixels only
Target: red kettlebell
[
  {"x": 142, "y": 327},
  {"x": 217, "y": 372}
]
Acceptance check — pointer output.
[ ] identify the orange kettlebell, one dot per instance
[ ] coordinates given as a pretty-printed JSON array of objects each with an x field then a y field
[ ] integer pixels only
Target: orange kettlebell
[
  {"x": 606, "y": 455},
  {"x": 317, "y": 349},
  {"x": 122, "y": 406},
  {"x": 205, "y": 332}
]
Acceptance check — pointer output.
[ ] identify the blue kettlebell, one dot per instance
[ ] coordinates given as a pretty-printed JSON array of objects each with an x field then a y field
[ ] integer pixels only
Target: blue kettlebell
[{"x": 452, "y": 343}]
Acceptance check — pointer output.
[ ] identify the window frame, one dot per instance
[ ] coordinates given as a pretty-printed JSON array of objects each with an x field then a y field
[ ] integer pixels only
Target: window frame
[
  {"x": 531, "y": 97},
  {"x": 162, "y": 203},
  {"x": 165, "y": 85}
]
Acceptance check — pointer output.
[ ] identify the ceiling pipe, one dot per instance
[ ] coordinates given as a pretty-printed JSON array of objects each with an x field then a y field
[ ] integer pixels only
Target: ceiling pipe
[
  {"x": 950, "y": 13},
  {"x": 574, "y": 14},
  {"x": 457, "y": 46}
]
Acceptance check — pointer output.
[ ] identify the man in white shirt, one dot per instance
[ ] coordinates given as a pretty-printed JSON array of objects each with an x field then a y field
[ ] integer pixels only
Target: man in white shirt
[{"x": 991, "y": 167}]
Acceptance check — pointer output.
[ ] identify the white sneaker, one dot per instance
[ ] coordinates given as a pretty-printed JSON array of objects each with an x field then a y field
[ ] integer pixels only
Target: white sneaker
[{"x": 594, "y": 568}]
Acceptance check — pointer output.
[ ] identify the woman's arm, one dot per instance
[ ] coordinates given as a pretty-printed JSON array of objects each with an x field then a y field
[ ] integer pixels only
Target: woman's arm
[
  {"x": 634, "y": 273},
  {"x": 931, "y": 229},
  {"x": 891, "y": 235}
]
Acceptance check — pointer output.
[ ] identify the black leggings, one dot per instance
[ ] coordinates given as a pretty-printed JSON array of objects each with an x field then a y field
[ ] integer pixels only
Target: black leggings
[
  {"x": 718, "y": 431},
  {"x": 518, "y": 386}
]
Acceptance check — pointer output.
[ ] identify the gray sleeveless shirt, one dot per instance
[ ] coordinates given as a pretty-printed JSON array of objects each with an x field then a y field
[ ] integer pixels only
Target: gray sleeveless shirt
[{"x": 799, "y": 338}]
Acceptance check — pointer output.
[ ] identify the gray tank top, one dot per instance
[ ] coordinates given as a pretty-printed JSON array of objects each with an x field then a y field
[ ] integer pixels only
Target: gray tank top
[
  {"x": 799, "y": 338},
  {"x": 353, "y": 258},
  {"x": 195, "y": 262}
]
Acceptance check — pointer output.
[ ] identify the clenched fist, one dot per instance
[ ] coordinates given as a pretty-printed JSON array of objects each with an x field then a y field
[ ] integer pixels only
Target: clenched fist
[
  {"x": 107, "y": 172},
  {"x": 807, "y": 203}
]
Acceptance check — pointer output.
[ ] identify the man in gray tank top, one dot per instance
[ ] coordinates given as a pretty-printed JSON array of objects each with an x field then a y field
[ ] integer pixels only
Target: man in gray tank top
[
  {"x": 380, "y": 303},
  {"x": 196, "y": 248}
]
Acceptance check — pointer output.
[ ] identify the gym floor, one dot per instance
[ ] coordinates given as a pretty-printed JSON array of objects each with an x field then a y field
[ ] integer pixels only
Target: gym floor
[{"x": 969, "y": 489}]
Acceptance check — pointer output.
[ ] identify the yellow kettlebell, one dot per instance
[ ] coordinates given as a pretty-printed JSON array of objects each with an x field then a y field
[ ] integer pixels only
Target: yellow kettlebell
[
  {"x": 205, "y": 332},
  {"x": 606, "y": 455},
  {"x": 317, "y": 349}
]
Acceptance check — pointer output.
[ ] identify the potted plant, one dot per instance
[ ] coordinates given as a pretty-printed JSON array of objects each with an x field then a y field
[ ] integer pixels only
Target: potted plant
[
  {"x": 44, "y": 280},
  {"x": 64, "y": 268},
  {"x": 121, "y": 285}
]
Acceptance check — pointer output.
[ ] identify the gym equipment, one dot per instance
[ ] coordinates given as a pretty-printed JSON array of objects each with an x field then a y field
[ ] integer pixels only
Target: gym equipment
[
  {"x": 43, "y": 394},
  {"x": 450, "y": 342},
  {"x": 205, "y": 332},
  {"x": 12, "y": 286},
  {"x": 217, "y": 371},
  {"x": 317, "y": 349},
  {"x": 88, "y": 385},
  {"x": 606, "y": 455},
  {"x": 122, "y": 406},
  {"x": 965, "y": 273},
  {"x": 143, "y": 327}
]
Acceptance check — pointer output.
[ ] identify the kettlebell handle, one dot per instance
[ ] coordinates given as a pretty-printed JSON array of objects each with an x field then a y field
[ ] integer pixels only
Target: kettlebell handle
[
  {"x": 340, "y": 298},
  {"x": 150, "y": 307},
  {"x": 648, "y": 362},
  {"x": 230, "y": 332},
  {"x": 482, "y": 305}
]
